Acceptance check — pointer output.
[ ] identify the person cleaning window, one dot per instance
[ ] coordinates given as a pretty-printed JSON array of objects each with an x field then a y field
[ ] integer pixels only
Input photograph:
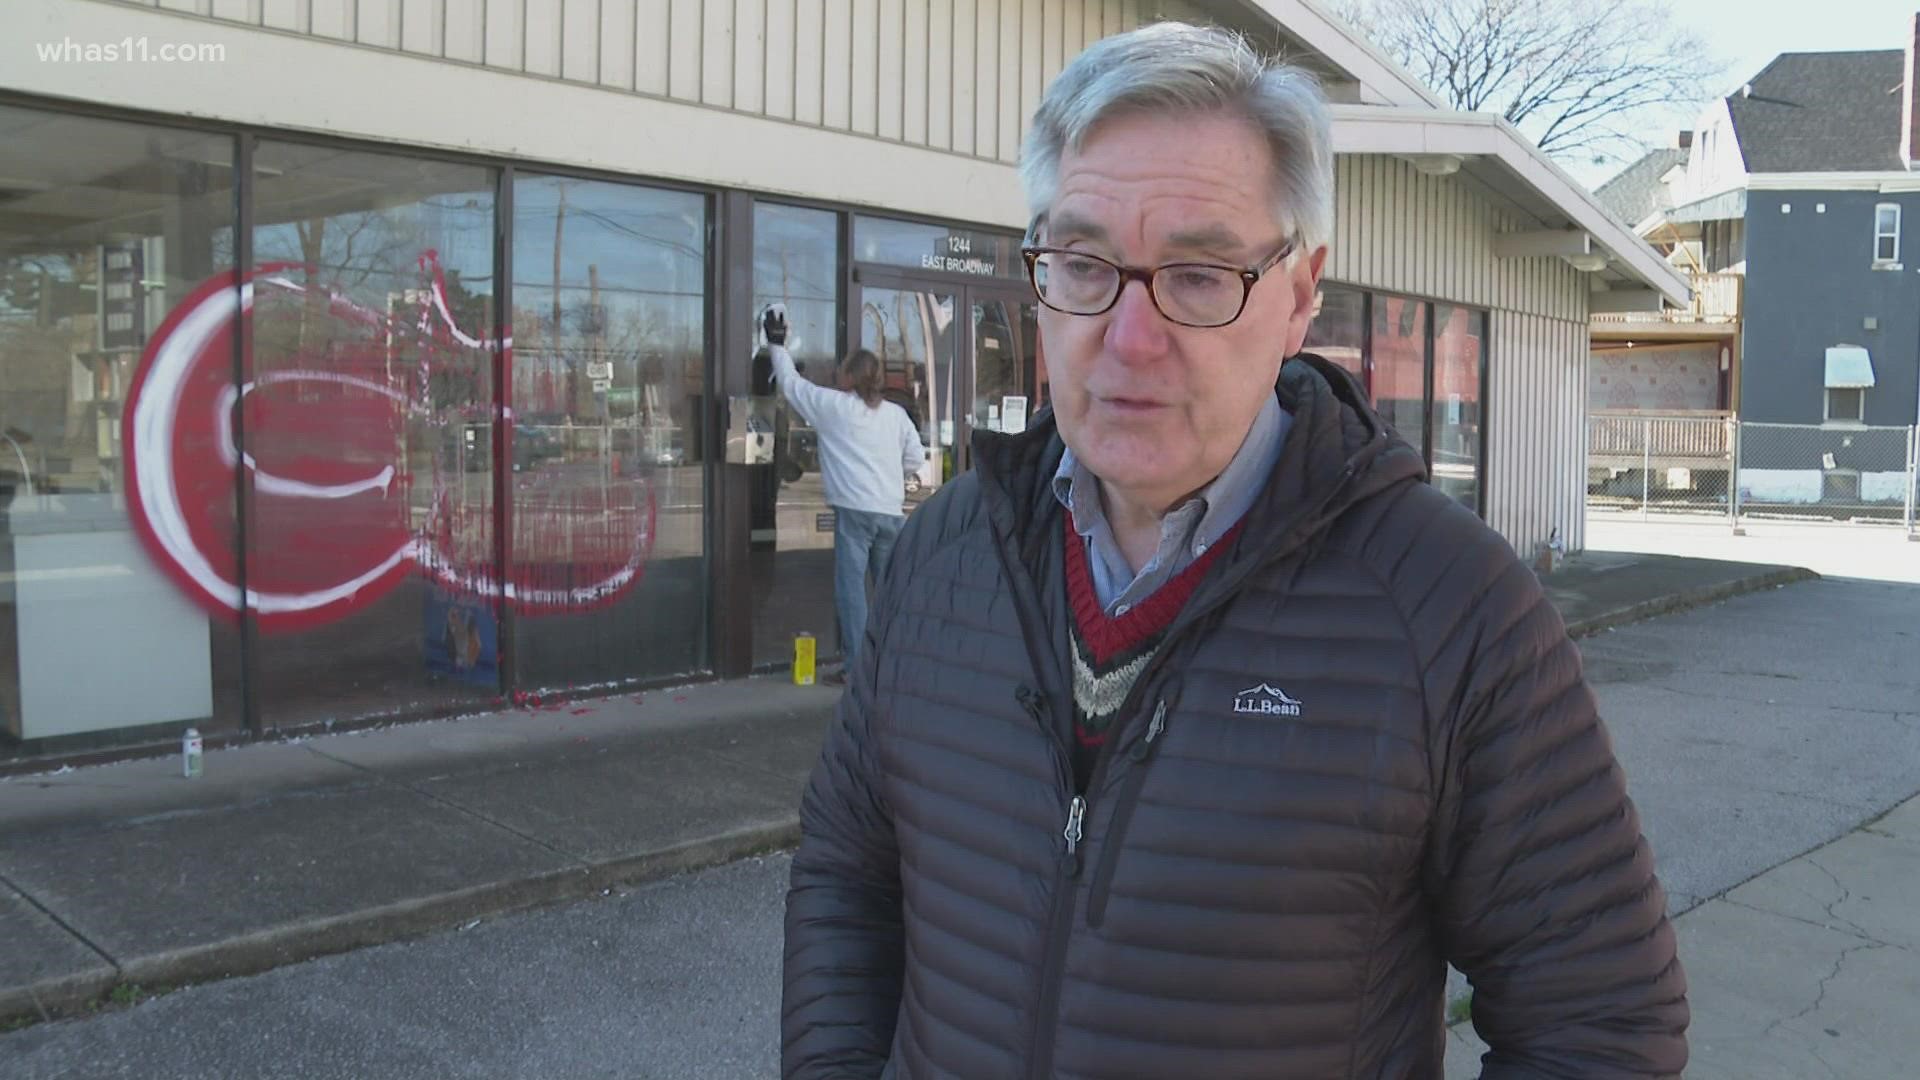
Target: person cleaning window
[{"x": 868, "y": 446}]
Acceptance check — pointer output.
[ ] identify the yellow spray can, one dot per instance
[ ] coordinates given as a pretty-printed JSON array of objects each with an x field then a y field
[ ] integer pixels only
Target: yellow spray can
[{"x": 803, "y": 653}]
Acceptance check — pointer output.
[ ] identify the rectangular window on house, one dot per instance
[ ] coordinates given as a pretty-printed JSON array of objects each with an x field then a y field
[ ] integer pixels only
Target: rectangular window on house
[
  {"x": 1886, "y": 233},
  {"x": 1846, "y": 404}
]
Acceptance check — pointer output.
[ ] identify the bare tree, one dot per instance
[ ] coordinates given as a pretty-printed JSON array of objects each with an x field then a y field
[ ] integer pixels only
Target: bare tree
[{"x": 1576, "y": 76}]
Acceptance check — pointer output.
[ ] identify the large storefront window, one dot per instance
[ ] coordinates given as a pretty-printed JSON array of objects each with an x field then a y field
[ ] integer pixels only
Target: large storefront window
[
  {"x": 1459, "y": 349},
  {"x": 114, "y": 237},
  {"x": 1398, "y": 361},
  {"x": 796, "y": 262},
  {"x": 1339, "y": 331},
  {"x": 1422, "y": 379},
  {"x": 371, "y": 540},
  {"x": 609, "y": 362}
]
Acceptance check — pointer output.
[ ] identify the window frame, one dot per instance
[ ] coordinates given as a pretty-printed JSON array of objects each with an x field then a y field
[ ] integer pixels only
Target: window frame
[
  {"x": 1859, "y": 418},
  {"x": 1891, "y": 261}
]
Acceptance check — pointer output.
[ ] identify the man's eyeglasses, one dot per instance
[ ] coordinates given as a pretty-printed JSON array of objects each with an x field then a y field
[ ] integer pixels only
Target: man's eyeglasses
[{"x": 1190, "y": 294}]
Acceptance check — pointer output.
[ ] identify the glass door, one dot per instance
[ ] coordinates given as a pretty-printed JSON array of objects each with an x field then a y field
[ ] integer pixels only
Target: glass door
[
  {"x": 1005, "y": 334},
  {"x": 912, "y": 330},
  {"x": 960, "y": 357}
]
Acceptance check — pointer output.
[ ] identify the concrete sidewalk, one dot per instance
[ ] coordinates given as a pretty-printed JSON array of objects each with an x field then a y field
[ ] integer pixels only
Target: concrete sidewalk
[
  {"x": 130, "y": 875},
  {"x": 1810, "y": 969}
]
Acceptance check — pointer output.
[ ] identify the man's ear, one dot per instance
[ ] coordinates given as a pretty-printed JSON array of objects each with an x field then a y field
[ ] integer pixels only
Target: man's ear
[{"x": 1304, "y": 278}]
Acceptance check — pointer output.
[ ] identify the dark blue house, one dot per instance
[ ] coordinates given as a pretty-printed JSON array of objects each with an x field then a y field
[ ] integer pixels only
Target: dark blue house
[{"x": 1802, "y": 183}]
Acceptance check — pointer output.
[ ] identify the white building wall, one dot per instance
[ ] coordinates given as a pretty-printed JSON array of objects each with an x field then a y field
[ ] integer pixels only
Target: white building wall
[{"x": 1399, "y": 230}]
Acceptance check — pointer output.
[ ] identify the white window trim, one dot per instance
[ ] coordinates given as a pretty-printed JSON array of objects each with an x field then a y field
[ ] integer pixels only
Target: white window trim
[
  {"x": 1826, "y": 408},
  {"x": 1878, "y": 235}
]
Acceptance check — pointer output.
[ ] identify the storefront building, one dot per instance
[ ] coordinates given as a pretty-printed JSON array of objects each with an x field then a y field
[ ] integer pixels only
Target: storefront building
[{"x": 375, "y": 361}]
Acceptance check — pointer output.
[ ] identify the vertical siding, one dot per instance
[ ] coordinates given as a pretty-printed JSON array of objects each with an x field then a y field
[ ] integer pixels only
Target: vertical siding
[
  {"x": 1033, "y": 55},
  {"x": 684, "y": 58},
  {"x": 892, "y": 94},
  {"x": 464, "y": 38},
  {"x": 616, "y": 43},
  {"x": 325, "y": 18},
  {"x": 986, "y": 78},
  {"x": 541, "y": 32},
  {"x": 958, "y": 75},
  {"x": 940, "y": 74},
  {"x": 1537, "y": 452},
  {"x": 863, "y": 89},
  {"x": 1007, "y": 81},
  {"x": 1397, "y": 230},
  {"x": 780, "y": 53},
  {"x": 652, "y": 46},
  {"x": 1400, "y": 231},
  {"x": 749, "y": 61},
  {"x": 377, "y": 23},
  {"x": 716, "y": 28},
  {"x": 916, "y": 71},
  {"x": 580, "y": 40},
  {"x": 290, "y": 15}
]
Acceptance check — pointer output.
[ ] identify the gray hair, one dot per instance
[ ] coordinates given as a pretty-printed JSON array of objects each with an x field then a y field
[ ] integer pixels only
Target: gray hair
[{"x": 1178, "y": 68}]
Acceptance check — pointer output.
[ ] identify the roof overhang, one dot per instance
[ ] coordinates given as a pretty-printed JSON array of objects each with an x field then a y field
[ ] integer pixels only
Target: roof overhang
[
  {"x": 1883, "y": 180},
  {"x": 1516, "y": 173},
  {"x": 1344, "y": 48},
  {"x": 1726, "y": 206}
]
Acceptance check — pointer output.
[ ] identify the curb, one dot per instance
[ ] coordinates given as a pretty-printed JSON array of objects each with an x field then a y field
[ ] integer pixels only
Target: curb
[
  {"x": 1691, "y": 598},
  {"x": 311, "y": 939}
]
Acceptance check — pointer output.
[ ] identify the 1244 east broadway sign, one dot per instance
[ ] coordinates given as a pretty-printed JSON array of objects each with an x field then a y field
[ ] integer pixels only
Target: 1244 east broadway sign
[{"x": 954, "y": 255}]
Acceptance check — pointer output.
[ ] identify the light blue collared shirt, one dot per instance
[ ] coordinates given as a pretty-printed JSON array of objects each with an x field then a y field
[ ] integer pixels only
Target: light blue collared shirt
[{"x": 1187, "y": 532}]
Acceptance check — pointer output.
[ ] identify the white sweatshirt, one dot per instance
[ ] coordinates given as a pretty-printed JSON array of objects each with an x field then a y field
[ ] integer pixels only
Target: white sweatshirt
[{"x": 865, "y": 453}]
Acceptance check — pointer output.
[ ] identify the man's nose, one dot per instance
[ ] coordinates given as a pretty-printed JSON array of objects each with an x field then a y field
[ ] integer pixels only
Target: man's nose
[{"x": 1135, "y": 328}]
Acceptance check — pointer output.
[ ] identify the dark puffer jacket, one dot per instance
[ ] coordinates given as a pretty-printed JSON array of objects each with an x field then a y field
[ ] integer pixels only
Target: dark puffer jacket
[{"x": 1367, "y": 749}]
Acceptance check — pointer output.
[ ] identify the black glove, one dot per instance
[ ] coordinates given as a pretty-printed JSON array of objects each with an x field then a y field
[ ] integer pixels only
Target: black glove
[{"x": 774, "y": 323}]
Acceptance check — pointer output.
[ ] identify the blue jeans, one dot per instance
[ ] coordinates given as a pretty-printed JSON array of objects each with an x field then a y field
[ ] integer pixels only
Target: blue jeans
[{"x": 862, "y": 544}]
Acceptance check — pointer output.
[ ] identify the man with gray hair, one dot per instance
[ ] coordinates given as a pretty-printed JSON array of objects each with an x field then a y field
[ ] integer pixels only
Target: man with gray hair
[{"x": 1194, "y": 733}]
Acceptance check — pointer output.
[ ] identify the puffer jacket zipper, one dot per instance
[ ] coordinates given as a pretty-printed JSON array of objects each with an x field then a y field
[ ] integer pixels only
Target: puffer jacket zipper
[
  {"x": 1140, "y": 754},
  {"x": 1041, "y": 707},
  {"x": 1060, "y": 922}
]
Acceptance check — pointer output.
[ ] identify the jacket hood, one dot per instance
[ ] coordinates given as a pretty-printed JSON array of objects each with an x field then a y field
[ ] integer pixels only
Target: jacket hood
[{"x": 1338, "y": 452}]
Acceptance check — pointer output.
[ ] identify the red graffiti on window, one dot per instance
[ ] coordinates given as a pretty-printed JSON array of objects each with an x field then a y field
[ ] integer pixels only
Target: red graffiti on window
[{"x": 366, "y": 440}]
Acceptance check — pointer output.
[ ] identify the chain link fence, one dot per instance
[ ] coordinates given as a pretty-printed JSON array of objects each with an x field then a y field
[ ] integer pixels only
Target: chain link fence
[{"x": 1648, "y": 464}]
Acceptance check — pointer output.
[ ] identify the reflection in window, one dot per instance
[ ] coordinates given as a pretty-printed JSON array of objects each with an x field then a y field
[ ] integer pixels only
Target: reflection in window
[
  {"x": 369, "y": 425},
  {"x": 913, "y": 332},
  {"x": 1459, "y": 349},
  {"x": 1339, "y": 331},
  {"x": 106, "y": 229},
  {"x": 1006, "y": 334},
  {"x": 1398, "y": 361},
  {"x": 609, "y": 362},
  {"x": 796, "y": 262}
]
